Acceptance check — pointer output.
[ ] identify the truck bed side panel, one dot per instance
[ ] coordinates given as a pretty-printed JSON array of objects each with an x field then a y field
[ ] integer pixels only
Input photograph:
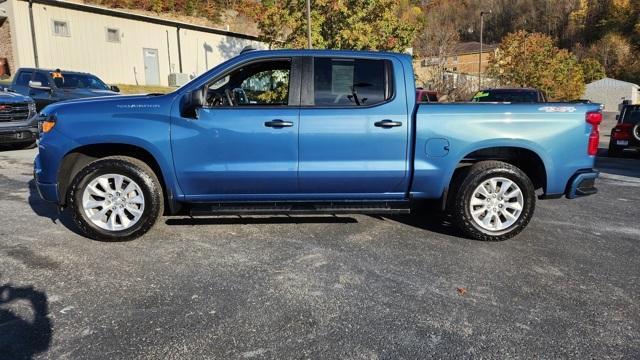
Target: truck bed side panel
[{"x": 557, "y": 133}]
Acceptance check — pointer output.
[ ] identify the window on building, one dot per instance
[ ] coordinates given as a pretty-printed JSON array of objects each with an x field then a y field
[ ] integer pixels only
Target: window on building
[
  {"x": 113, "y": 35},
  {"x": 351, "y": 82},
  {"x": 61, "y": 28}
]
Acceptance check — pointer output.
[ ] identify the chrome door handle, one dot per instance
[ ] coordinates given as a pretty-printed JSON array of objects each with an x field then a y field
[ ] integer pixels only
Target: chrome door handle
[
  {"x": 278, "y": 124},
  {"x": 388, "y": 124}
]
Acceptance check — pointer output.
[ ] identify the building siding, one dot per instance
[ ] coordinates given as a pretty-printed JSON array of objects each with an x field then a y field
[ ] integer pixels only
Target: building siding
[{"x": 87, "y": 49}]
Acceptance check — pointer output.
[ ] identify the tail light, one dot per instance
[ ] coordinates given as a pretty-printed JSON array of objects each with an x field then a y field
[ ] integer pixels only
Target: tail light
[
  {"x": 622, "y": 132},
  {"x": 594, "y": 118}
]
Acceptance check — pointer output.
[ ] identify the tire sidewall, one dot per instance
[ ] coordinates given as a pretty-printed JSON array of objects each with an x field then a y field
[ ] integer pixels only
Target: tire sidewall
[
  {"x": 476, "y": 179},
  {"x": 146, "y": 182}
]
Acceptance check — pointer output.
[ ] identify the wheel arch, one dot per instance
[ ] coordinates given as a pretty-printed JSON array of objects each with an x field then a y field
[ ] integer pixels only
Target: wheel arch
[
  {"x": 530, "y": 161},
  {"x": 75, "y": 160}
]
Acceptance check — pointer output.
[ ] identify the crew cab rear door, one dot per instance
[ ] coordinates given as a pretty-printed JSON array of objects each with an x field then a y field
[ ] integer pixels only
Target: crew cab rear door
[
  {"x": 354, "y": 128},
  {"x": 243, "y": 144}
]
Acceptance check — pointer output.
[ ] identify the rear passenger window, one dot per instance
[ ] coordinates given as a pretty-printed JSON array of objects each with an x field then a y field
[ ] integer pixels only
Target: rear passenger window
[
  {"x": 24, "y": 78},
  {"x": 351, "y": 82}
]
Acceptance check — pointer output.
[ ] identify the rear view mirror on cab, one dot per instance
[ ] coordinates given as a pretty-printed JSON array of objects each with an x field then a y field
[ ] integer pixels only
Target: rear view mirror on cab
[
  {"x": 38, "y": 85},
  {"x": 191, "y": 102}
]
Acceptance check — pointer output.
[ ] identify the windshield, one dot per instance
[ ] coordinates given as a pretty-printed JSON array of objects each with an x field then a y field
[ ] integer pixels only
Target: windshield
[
  {"x": 79, "y": 81},
  {"x": 631, "y": 115},
  {"x": 514, "y": 96}
]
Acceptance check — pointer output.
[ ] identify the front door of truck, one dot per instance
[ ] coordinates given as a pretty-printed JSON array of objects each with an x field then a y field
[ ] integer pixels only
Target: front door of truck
[
  {"x": 243, "y": 145},
  {"x": 354, "y": 129}
]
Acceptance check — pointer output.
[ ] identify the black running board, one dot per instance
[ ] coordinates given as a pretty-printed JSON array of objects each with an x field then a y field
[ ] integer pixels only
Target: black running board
[{"x": 299, "y": 208}]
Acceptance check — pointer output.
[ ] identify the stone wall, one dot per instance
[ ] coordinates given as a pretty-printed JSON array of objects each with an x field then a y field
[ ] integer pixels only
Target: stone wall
[{"x": 6, "y": 45}]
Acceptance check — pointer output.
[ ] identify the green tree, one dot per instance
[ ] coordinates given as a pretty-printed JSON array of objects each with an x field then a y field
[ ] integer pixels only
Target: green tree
[
  {"x": 532, "y": 60},
  {"x": 337, "y": 24},
  {"x": 592, "y": 70}
]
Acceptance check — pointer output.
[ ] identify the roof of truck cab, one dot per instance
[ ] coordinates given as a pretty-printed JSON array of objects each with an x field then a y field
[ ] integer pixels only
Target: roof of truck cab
[
  {"x": 325, "y": 52},
  {"x": 52, "y": 70}
]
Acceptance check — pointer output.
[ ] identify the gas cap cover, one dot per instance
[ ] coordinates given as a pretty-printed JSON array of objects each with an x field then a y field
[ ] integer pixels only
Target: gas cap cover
[{"x": 437, "y": 147}]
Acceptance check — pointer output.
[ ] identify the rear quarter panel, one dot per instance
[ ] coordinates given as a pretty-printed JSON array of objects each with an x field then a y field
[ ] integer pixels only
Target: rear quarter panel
[{"x": 557, "y": 133}]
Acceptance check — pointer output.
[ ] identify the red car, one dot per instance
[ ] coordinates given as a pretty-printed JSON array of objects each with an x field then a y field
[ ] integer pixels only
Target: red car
[
  {"x": 426, "y": 96},
  {"x": 626, "y": 134}
]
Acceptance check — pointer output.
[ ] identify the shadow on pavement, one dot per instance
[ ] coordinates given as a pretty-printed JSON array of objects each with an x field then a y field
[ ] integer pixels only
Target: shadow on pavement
[
  {"x": 430, "y": 220},
  {"x": 45, "y": 209},
  {"x": 629, "y": 165},
  {"x": 22, "y": 337},
  {"x": 246, "y": 220}
]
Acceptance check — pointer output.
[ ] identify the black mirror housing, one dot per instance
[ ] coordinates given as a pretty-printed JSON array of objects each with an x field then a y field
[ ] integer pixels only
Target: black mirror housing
[
  {"x": 191, "y": 102},
  {"x": 114, "y": 88}
]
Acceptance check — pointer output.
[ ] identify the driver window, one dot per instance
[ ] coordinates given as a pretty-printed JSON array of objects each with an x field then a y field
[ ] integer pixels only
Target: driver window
[{"x": 259, "y": 84}]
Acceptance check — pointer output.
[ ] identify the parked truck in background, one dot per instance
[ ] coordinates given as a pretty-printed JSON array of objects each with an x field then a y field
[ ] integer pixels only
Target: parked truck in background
[
  {"x": 40, "y": 85},
  {"x": 306, "y": 131},
  {"x": 18, "y": 121}
]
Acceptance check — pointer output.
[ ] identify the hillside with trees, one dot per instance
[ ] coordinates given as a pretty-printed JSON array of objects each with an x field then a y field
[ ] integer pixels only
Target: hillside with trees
[
  {"x": 604, "y": 31},
  {"x": 600, "y": 34}
]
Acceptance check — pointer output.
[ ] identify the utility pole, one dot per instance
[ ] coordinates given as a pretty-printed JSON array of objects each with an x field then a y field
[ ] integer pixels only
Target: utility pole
[
  {"x": 33, "y": 35},
  {"x": 309, "y": 44},
  {"x": 482, "y": 13}
]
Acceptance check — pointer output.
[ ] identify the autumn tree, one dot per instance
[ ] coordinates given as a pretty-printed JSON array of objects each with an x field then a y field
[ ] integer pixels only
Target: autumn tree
[
  {"x": 532, "y": 60},
  {"x": 592, "y": 70},
  {"x": 340, "y": 24}
]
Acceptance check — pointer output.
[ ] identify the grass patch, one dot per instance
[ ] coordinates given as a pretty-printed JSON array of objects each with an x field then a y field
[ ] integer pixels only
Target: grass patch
[{"x": 143, "y": 89}]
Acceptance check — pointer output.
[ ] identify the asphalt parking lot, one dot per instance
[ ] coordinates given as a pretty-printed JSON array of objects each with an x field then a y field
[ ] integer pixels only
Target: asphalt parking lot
[{"x": 355, "y": 287}]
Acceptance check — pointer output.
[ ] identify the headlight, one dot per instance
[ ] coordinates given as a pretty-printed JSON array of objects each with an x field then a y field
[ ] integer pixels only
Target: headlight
[
  {"x": 46, "y": 123},
  {"x": 32, "y": 110}
]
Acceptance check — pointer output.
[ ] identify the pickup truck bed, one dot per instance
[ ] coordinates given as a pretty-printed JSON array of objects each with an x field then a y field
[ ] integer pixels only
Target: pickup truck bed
[{"x": 300, "y": 131}]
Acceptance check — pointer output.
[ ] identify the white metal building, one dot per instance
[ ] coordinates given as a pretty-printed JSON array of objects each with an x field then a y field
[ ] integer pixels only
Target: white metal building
[
  {"x": 611, "y": 93},
  {"x": 117, "y": 46}
]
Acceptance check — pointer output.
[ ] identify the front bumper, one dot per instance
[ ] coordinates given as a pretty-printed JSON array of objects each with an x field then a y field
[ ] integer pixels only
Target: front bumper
[
  {"x": 48, "y": 192},
  {"x": 582, "y": 184},
  {"x": 18, "y": 134}
]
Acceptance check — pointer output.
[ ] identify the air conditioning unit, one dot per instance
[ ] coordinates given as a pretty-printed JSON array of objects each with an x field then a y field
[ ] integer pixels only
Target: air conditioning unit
[{"x": 178, "y": 79}]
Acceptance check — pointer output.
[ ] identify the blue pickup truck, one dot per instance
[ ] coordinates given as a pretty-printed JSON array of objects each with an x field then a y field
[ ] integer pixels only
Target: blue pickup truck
[
  {"x": 306, "y": 131},
  {"x": 44, "y": 89}
]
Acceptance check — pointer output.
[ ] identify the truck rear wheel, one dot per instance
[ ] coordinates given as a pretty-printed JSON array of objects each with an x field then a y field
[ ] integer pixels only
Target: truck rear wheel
[
  {"x": 494, "y": 201},
  {"x": 115, "y": 199}
]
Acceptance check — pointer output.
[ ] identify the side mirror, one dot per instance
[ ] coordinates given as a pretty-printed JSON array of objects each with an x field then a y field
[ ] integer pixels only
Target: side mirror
[
  {"x": 38, "y": 85},
  {"x": 191, "y": 102},
  {"x": 617, "y": 117},
  {"x": 114, "y": 88}
]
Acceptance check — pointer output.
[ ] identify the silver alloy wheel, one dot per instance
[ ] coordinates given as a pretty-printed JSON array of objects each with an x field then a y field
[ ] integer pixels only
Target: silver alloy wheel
[
  {"x": 636, "y": 131},
  {"x": 496, "y": 204},
  {"x": 113, "y": 202}
]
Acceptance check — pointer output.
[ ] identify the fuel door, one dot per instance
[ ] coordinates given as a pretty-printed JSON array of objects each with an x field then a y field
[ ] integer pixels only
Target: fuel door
[{"x": 437, "y": 147}]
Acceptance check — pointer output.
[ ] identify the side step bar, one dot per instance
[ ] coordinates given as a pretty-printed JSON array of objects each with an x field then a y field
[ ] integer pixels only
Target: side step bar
[{"x": 292, "y": 208}]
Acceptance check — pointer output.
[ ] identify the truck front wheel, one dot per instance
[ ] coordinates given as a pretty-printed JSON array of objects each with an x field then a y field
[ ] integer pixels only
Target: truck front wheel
[
  {"x": 494, "y": 201},
  {"x": 115, "y": 198}
]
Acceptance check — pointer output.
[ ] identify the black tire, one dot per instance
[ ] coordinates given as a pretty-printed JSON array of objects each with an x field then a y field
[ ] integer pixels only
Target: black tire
[
  {"x": 614, "y": 150},
  {"x": 132, "y": 168},
  {"x": 636, "y": 131},
  {"x": 464, "y": 187}
]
